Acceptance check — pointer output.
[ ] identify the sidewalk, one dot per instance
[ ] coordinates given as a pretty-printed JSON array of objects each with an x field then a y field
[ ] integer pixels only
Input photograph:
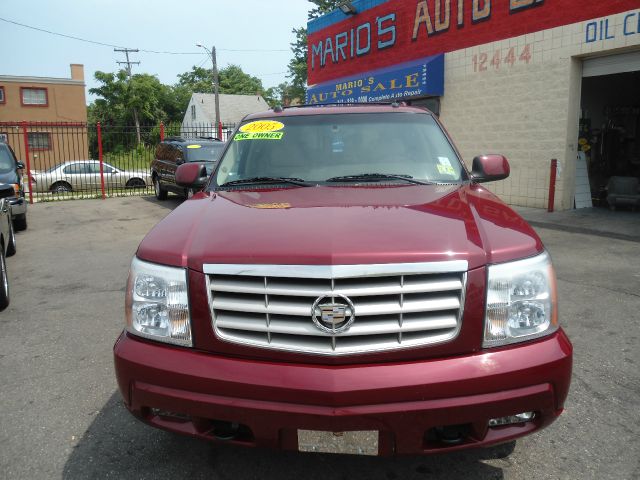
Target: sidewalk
[{"x": 619, "y": 224}]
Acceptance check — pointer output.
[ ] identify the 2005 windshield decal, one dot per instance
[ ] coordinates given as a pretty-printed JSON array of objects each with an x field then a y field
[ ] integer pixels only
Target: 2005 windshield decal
[{"x": 260, "y": 130}]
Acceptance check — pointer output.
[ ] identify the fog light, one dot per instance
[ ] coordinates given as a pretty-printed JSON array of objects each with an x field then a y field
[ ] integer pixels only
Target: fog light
[{"x": 519, "y": 418}]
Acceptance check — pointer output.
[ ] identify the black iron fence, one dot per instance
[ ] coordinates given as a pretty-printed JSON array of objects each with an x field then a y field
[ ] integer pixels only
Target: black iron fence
[{"x": 79, "y": 160}]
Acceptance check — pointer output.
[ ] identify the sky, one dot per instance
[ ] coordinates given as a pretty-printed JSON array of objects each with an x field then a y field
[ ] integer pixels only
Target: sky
[{"x": 263, "y": 26}]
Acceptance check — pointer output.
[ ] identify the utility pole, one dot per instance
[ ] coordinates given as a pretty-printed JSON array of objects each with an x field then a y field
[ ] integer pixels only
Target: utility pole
[
  {"x": 216, "y": 89},
  {"x": 216, "y": 84},
  {"x": 128, "y": 63}
]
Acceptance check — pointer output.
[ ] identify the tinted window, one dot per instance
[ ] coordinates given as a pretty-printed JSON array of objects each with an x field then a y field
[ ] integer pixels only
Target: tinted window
[
  {"x": 161, "y": 151},
  {"x": 204, "y": 153},
  {"x": 169, "y": 153},
  {"x": 95, "y": 168},
  {"x": 6, "y": 160},
  {"x": 76, "y": 168},
  {"x": 318, "y": 147}
]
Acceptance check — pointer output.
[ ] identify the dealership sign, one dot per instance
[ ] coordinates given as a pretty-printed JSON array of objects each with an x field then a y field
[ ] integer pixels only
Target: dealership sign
[
  {"x": 413, "y": 79},
  {"x": 383, "y": 33}
]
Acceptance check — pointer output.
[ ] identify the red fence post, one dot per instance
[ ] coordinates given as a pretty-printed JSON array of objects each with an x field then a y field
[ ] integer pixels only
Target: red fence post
[
  {"x": 161, "y": 131},
  {"x": 26, "y": 154},
  {"x": 220, "y": 130},
  {"x": 101, "y": 159},
  {"x": 552, "y": 184}
]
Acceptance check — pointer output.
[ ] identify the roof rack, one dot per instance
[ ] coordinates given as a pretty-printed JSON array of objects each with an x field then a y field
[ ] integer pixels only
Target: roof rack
[
  {"x": 209, "y": 138},
  {"x": 173, "y": 139},
  {"x": 392, "y": 103}
]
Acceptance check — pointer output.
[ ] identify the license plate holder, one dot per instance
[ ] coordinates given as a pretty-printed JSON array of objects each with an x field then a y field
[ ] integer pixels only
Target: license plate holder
[{"x": 363, "y": 442}]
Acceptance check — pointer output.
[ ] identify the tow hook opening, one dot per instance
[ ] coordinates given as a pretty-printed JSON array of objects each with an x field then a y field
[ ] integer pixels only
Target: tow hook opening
[
  {"x": 448, "y": 435},
  {"x": 221, "y": 430},
  {"x": 225, "y": 431}
]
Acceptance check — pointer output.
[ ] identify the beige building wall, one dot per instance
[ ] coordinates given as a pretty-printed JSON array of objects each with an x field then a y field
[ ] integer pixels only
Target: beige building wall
[
  {"x": 527, "y": 110},
  {"x": 66, "y": 99},
  {"x": 66, "y": 103}
]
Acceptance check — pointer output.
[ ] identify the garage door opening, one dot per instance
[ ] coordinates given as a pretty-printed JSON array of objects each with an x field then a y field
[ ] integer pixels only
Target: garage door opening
[{"x": 609, "y": 138}]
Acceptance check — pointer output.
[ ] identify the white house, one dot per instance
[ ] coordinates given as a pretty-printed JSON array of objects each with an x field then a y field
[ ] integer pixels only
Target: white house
[{"x": 200, "y": 116}]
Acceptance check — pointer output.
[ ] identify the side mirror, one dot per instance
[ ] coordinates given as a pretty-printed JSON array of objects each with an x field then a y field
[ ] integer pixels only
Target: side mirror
[
  {"x": 191, "y": 175},
  {"x": 7, "y": 191},
  {"x": 489, "y": 168},
  {"x": 19, "y": 166}
]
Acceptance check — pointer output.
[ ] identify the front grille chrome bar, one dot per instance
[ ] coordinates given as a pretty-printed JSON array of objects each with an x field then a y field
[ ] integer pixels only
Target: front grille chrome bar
[{"x": 395, "y": 305}]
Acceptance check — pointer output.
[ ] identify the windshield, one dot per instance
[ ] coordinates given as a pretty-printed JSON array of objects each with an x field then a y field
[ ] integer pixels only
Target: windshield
[
  {"x": 204, "y": 153},
  {"x": 6, "y": 160},
  {"x": 317, "y": 148}
]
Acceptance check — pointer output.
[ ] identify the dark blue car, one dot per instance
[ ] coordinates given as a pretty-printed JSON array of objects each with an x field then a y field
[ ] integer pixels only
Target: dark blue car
[
  {"x": 10, "y": 174},
  {"x": 7, "y": 241}
]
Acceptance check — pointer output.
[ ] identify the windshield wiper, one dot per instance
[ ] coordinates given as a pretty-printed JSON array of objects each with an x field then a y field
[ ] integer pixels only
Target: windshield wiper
[
  {"x": 255, "y": 180},
  {"x": 377, "y": 176}
]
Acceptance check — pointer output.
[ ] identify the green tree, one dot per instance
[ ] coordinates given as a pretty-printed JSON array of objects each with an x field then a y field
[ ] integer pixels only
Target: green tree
[
  {"x": 198, "y": 80},
  {"x": 118, "y": 97},
  {"x": 233, "y": 80},
  {"x": 280, "y": 95},
  {"x": 141, "y": 100},
  {"x": 322, "y": 7},
  {"x": 298, "y": 65}
]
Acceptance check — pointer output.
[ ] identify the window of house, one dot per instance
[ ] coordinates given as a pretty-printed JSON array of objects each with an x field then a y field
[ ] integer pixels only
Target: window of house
[
  {"x": 34, "y": 96},
  {"x": 39, "y": 140},
  {"x": 2, "y": 100},
  {"x": 193, "y": 112}
]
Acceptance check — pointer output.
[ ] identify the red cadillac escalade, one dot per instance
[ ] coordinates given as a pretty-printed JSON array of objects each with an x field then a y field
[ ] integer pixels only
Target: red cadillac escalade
[{"x": 343, "y": 284}]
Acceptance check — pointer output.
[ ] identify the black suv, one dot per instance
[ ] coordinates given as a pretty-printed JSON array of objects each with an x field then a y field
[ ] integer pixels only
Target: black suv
[
  {"x": 173, "y": 152},
  {"x": 11, "y": 174}
]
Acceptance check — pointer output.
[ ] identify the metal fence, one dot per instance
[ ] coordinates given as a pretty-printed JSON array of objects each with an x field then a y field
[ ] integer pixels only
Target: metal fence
[{"x": 79, "y": 160}]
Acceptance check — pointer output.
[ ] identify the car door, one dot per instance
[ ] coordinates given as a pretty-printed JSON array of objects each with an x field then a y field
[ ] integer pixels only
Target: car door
[
  {"x": 118, "y": 178},
  {"x": 166, "y": 164},
  {"x": 76, "y": 174},
  {"x": 158, "y": 166},
  {"x": 178, "y": 158}
]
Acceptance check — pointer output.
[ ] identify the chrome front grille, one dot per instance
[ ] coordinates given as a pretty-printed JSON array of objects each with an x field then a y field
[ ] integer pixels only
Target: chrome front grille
[{"x": 396, "y": 305}]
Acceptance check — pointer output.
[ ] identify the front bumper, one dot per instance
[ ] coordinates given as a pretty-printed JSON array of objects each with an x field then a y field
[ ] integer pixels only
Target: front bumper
[
  {"x": 191, "y": 392},
  {"x": 18, "y": 206}
]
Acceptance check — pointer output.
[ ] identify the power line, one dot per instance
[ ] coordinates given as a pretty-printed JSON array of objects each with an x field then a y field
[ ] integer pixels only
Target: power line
[{"x": 160, "y": 52}]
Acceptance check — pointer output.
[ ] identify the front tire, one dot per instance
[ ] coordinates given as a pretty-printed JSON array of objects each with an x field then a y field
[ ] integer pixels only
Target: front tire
[
  {"x": 136, "y": 183},
  {"x": 4, "y": 281},
  {"x": 12, "y": 245},
  {"x": 20, "y": 222},
  {"x": 161, "y": 193},
  {"x": 61, "y": 187}
]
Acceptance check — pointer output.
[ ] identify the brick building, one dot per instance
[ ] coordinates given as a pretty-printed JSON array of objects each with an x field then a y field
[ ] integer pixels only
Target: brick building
[
  {"x": 49, "y": 106},
  {"x": 534, "y": 80}
]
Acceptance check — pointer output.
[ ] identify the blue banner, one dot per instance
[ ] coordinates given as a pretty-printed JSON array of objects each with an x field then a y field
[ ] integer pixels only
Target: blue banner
[{"x": 420, "y": 78}]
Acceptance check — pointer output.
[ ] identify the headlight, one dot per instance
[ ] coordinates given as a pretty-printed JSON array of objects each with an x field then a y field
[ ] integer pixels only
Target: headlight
[
  {"x": 521, "y": 301},
  {"x": 157, "y": 304}
]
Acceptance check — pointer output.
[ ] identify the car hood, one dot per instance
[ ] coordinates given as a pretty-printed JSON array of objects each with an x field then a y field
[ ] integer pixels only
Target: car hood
[{"x": 341, "y": 225}]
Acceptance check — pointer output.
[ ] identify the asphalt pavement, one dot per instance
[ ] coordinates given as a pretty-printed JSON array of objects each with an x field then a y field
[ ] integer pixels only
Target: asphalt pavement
[{"x": 61, "y": 412}]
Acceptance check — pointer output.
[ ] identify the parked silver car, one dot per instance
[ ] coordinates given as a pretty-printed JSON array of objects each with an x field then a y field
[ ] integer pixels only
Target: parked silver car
[{"x": 83, "y": 175}]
